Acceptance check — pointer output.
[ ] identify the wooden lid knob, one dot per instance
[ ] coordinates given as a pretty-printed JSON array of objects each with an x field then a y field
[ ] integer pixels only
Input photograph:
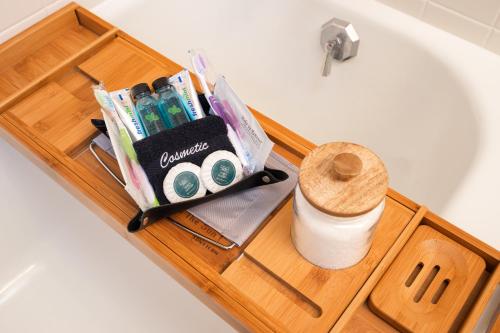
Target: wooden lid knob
[
  {"x": 343, "y": 179},
  {"x": 347, "y": 166}
]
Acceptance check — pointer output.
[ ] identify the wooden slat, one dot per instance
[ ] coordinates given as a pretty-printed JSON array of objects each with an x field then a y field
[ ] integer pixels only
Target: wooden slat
[
  {"x": 363, "y": 321},
  {"x": 33, "y": 55},
  {"x": 60, "y": 111},
  {"x": 481, "y": 303},
  {"x": 490, "y": 254},
  {"x": 330, "y": 291},
  {"x": 495, "y": 325},
  {"x": 33, "y": 65},
  {"x": 37, "y": 35},
  {"x": 214, "y": 256},
  {"x": 92, "y": 22},
  {"x": 121, "y": 65},
  {"x": 379, "y": 271},
  {"x": 49, "y": 75}
]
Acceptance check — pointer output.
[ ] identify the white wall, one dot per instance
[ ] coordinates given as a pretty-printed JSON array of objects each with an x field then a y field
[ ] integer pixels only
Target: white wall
[
  {"x": 477, "y": 21},
  {"x": 15, "y": 16}
]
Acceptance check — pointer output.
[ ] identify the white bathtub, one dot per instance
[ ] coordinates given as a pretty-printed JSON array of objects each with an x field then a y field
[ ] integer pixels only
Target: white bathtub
[
  {"x": 63, "y": 269},
  {"x": 426, "y": 101}
]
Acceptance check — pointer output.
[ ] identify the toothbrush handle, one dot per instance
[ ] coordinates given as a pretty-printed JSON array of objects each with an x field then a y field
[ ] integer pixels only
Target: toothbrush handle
[{"x": 217, "y": 107}]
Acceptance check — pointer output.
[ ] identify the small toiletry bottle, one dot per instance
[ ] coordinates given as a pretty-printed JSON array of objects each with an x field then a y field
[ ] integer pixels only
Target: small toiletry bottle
[
  {"x": 172, "y": 107},
  {"x": 147, "y": 109}
]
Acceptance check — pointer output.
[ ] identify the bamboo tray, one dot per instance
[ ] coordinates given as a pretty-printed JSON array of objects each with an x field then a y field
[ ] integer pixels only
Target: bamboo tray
[{"x": 45, "y": 107}]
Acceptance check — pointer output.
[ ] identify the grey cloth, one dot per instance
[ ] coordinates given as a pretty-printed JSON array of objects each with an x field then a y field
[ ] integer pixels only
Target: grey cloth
[{"x": 238, "y": 216}]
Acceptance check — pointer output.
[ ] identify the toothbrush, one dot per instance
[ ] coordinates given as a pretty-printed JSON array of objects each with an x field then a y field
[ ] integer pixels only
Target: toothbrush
[
  {"x": 220, "y": 108},
  {"x": 137, "y": 183},
  {"x": 200, "y": 68}
]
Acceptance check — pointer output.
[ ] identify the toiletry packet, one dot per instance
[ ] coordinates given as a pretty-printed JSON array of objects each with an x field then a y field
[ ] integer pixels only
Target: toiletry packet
[
  {"x": 254, "y": 141},
  {"x": 137, "y": 183},
  {"x": 184, "y": 86},
  {"x": 125, "y": 109}
]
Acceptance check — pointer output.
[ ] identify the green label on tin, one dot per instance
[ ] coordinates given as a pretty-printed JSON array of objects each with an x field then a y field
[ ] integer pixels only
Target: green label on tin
[
  {"x": 223, "y": 172},
  {"x": 186, "y": 184}
]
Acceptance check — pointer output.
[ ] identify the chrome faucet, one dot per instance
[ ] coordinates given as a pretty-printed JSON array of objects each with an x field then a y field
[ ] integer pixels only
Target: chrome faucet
[{"x": 339, "y": 40}]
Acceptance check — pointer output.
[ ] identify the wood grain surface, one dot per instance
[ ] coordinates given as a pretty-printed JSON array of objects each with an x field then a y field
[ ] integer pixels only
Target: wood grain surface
[
  {"x": 343, "y": 179},
  {"x": 363, "y": 320},
  {"x": 320, "y": 294},
  {"x": 28, "y": 56},
  {"x": 428, "y": 284}
]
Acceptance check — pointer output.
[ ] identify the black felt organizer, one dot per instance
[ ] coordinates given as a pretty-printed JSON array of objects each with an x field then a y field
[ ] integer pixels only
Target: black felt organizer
[
  {"x": 209, "y": 132},
  {"x": 190, "y": 142}
]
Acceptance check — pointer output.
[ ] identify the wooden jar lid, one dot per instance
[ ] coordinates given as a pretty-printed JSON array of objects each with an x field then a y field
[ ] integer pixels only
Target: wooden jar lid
[{"x": 343, "y": 179}]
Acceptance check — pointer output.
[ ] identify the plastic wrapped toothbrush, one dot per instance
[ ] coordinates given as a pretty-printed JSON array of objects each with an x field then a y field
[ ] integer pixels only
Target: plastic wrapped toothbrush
[
  {"x": 249, "y": 139},
  {"x": 136, "y": 181}
]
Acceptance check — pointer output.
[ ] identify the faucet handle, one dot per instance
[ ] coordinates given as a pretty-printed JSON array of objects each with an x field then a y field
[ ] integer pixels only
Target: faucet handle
[
  {"x": 337, "y": 30},
  {"x": 330, "y": 48}
]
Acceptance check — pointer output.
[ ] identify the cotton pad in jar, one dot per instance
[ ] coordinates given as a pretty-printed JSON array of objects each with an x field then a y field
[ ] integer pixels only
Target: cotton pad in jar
[{"x": 338, "y": 202}]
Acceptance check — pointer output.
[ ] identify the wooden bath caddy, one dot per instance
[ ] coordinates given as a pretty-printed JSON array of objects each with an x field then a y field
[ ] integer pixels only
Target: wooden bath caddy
[{"x": 46, "y": 104}]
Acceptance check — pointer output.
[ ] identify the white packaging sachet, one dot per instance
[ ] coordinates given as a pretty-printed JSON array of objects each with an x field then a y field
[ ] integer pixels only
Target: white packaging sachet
[{"x": 254, "y": 141}]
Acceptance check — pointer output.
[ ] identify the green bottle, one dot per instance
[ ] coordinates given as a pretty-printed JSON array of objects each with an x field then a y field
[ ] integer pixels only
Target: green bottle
[
  {"x": 147, "y": 109},
  {"x": 172, "y": 106}
]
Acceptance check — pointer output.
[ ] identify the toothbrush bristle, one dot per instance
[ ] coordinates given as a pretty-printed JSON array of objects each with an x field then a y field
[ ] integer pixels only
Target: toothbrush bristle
[
  {"x": 199, "y": 63},
  {"x": 202, "y": 61}
]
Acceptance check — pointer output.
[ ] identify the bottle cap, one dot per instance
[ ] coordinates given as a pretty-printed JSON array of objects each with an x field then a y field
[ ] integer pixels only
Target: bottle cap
[
  {"x": 221, "y": 169},
  {"x": 343, "y": 179},
  {"x": 183, "y": 183},
  {"x": 160, "y": 82},
  {"x": 139, "y": 88}
]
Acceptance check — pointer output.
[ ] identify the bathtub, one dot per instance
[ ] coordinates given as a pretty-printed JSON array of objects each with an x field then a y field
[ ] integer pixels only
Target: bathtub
[
  {"x": 63, "y": 269},
  {"x": 427, "y": 102}
]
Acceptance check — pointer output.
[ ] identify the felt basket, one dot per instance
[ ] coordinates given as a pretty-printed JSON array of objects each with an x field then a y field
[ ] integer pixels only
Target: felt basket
[{"x": 151, "y": 154}]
